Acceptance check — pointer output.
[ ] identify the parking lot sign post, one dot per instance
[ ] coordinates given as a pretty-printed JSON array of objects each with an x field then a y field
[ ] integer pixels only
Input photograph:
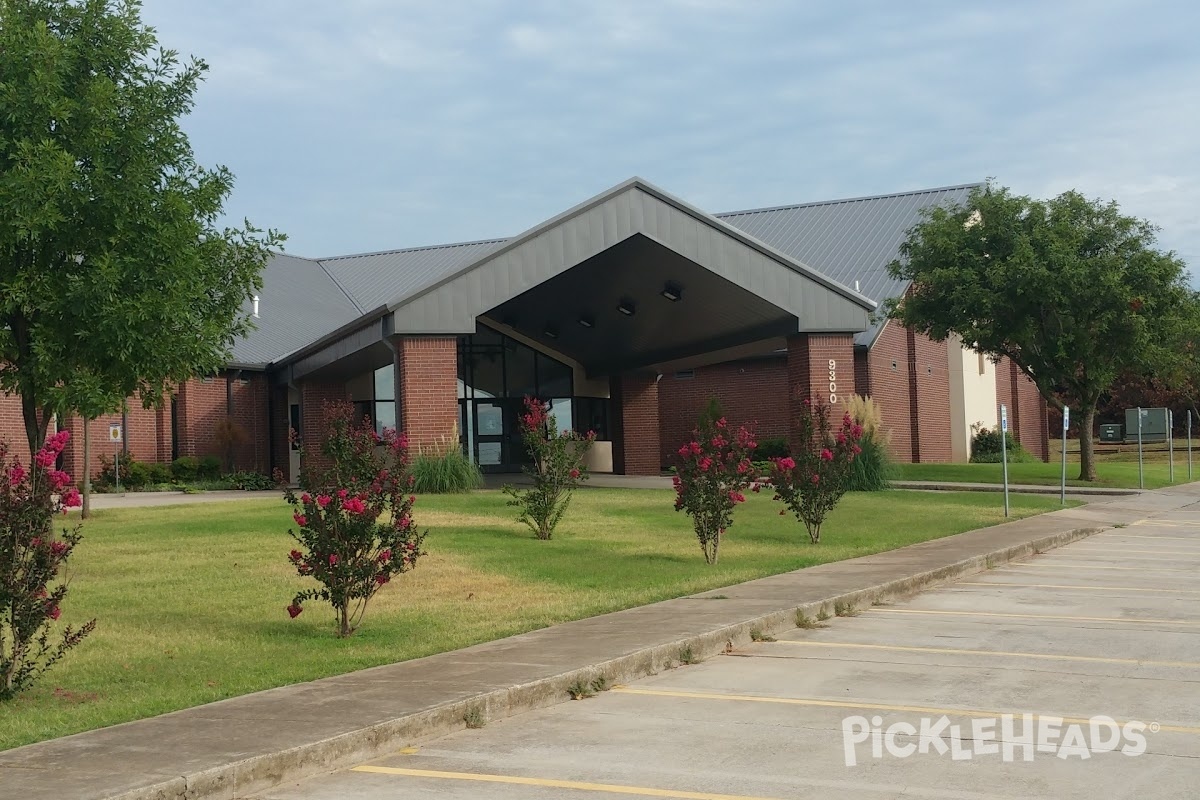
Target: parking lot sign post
[
  {"x": 1189, "y": 434},
  {"x": 1171, "y": 444},
  {"x": 1004, "y": 451},
  {"x": 1066, "y": 424},
  {"x": 115, "y": 435}
]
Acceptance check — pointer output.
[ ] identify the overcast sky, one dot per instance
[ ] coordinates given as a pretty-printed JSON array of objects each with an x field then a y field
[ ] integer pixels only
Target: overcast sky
[{"x": 364, "y": 125}]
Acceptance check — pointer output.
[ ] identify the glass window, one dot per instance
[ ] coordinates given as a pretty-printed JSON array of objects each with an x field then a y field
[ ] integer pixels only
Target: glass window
[
  {"x": 554, "y": 377},
  {"x": 294, "y": 423},
  {"x": 521, "y": 370},
  {"x": 385, "y": 383},
  {"x": 561, "y": 409},
  {"x": 591, "y": 414},
  {"x": 385, "y": 415}
]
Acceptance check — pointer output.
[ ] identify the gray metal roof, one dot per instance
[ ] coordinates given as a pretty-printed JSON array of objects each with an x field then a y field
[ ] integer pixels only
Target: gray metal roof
[
  {"x": 848, "y": 240},
  {"x": 372, "y": 279},
  {"x": 843, "y": 240},
  {"x": 299, "y": 303}
]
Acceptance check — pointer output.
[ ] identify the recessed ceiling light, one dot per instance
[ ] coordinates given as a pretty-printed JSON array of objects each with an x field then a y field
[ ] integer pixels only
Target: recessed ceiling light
[
  {"x": 672, "y": 291},
  {"x": 587, "y": 322},
  {"x": 551, "y": 332},
  {"x": 627, "y": 307}
]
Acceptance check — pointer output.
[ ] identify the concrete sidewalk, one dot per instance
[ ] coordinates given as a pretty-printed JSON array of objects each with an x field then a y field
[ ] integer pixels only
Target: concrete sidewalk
[
  {"x": 244, "y": 745},
  {"x": 152, "y": 499},
  {"x": 1016, "y": 488}
]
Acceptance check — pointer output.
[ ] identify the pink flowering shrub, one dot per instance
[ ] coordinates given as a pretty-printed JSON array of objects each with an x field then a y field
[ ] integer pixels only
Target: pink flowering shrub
[
  {"x": 712, "y": 472},
  {"x": 557, "y": 469},
  {"x": 31, "y": 560},
  {"x": 814, "y": 478},
  {"x": 354, "y": 524}
]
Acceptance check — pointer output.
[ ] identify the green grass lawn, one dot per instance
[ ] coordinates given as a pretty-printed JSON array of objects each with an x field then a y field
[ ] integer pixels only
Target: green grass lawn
[
  {"x": 190, "y": 599},
  {"x": 1111, "y": 473}
]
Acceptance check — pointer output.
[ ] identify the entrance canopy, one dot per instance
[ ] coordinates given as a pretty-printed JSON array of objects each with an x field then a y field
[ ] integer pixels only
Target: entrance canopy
[{"x": 631, "y": 278}]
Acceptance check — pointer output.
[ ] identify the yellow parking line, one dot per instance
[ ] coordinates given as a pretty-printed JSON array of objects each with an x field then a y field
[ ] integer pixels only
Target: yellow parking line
[
  {"x": 1006, "y": 653},
  {"x": 1085, "y": 588},
  {"x": 551, "y": 783},
  {"x": 1168, "y": 538},
  {"x": 1058, "y": 564},
  {"x": 1130, "y": 620},
  {"x": 1124, "y": 550},
  {"x": 806, "y": 701},
  {"x": 1112, "y": 557}
]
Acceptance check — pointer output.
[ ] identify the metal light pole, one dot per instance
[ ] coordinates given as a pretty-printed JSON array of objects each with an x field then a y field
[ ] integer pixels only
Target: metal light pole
[
  {"x": 1066, "y": 423},
  {"x": 1141, "y": 471}
]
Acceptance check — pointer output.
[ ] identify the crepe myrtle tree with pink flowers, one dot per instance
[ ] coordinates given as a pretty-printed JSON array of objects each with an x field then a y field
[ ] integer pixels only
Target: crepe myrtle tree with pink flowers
[
  {"x": 813, "y": 479},
  {"x": 712, "y": 473},
  {"x": 32, "y": 560},
  {"x": 557, "y": 470},
  {"x": 353, "y": 516}
]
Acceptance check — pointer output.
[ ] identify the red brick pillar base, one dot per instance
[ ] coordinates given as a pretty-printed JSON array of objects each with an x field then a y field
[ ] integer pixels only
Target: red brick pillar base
[
  {"x": 820, "y": 367},
  {"x": 427, "y": 389},
  {"x": 636, "y": 448}
]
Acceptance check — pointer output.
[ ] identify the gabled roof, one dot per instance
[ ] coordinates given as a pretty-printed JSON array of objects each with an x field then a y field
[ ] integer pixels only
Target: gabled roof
[
  {"x": 632, "y": 207},
  {"x": 836, "y": 242},
  {"x": 849, "y": 240}
]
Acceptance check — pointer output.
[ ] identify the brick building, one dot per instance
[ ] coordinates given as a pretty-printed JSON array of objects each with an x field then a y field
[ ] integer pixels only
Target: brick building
[{"x": 627, "y": 312}]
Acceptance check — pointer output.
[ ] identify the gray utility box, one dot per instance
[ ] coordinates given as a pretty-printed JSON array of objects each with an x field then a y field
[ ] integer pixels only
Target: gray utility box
[
  {"x": 1154, "y": 424},
  {"x": 1111, "y": 433}
]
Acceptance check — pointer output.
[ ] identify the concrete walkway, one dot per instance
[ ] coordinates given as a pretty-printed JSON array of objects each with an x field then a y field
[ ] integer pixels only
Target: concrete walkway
[
  {"x": 151, "y": 499},
  {"x": 244, "y": 745},
  {"x": 1017, "y": 488}
]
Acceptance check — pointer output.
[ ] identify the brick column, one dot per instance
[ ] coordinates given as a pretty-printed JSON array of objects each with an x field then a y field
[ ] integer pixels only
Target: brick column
[
  {"x": 427, "y": 388},
  {"x": 821, "y": 367},
  {"x": 636, "y": 448},
  {"x": 314, "y": 394}
]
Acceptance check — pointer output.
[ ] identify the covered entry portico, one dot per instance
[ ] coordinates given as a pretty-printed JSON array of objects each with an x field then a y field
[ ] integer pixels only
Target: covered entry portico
[{"x": 588, "y": 310}]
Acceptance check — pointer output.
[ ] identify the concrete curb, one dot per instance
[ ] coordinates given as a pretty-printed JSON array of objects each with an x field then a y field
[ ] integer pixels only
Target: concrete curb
[
  {"x": 1078, "y": 491},
  {"x": 239, "y": 779}
]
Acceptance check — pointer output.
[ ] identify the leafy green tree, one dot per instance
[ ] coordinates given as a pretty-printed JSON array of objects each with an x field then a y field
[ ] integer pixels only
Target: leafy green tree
[
  {"x": 1070, "y": 289},
  {"x": 115, "y": 279}
]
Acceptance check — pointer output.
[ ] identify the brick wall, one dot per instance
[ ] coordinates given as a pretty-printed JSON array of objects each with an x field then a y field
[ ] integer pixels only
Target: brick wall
[
  {"x": 280, "y": 431},
  {"x": 314, "y": 394},
  {"x": 931, "y": 385},
  {"x": 1027, "y": 413},
  {"x": 12, "y": 426},
  {"x": 888, "y": 365},
  {"x": 141, "y": 435},
  {"x": 636, "y": 440},
  {"x": 749, "y": 392},
  {"x": 427, "y": 380},
  {"x": 808, "y": 360}
]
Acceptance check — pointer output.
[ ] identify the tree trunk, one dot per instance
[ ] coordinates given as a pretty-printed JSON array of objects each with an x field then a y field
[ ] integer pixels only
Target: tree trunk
[
  {"x": 86, "y": 511},
  {"x": 35, "y": 429},
  {"x": 1087, "y": 448}
]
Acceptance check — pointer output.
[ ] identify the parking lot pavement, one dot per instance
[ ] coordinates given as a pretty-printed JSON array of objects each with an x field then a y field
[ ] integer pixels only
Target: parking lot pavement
[{"x": 1099, "y": 640}]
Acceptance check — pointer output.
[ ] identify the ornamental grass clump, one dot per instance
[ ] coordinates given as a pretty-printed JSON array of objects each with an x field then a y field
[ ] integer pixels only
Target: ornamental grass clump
[
  {"x": 813, "y": 479},
  {"x": 712, "y": 472},
  {"x": 557, "y": 471},
  {"x": 32, "y": 560},
  {"x": 354, "y": 524}
]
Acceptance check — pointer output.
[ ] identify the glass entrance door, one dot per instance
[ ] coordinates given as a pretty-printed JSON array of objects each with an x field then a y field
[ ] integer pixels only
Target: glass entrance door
[{"x": 491, "y": 439}]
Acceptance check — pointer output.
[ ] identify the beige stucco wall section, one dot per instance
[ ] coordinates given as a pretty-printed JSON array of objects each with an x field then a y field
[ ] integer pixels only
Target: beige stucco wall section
[{"x": 972, "y": 396}]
